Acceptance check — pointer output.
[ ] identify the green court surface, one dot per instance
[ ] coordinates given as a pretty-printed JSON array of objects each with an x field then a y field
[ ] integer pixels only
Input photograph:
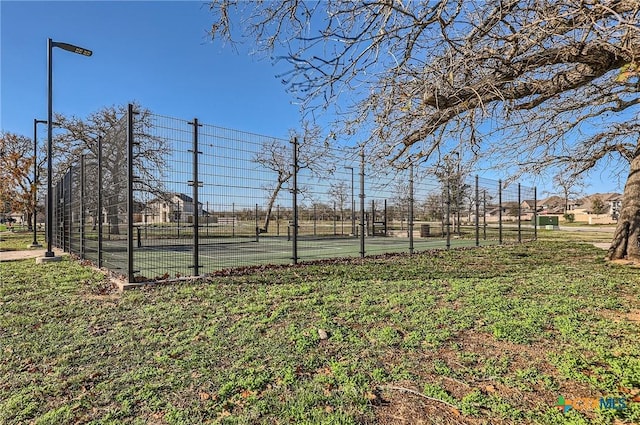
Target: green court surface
[{"x": 171, "y": 258}]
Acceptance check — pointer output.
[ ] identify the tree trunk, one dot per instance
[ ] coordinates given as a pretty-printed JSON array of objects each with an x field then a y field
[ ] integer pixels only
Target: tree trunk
[
  {"x": 113, "y": 219},
  {"x": 626, "y": 238},
  {"x": 272, "y": 200},
  {"x": 29, "y": 221}
]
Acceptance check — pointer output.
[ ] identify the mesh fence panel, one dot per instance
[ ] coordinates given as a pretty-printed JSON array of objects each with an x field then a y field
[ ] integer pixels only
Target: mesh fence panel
[
  {"x": 326, "y": 195},
  {"x": 92, "y": 214},
  {"x": 114, "y": 198},
  {"x": 163, "y": 208},
  {"x": 205, "y": 198},
  {"x": 245, "y": 194},
  {"x": 75, "y": 210}
]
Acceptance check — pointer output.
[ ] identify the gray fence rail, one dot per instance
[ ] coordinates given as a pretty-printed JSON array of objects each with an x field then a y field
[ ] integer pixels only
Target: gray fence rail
[{"x": 160, "y": 198}]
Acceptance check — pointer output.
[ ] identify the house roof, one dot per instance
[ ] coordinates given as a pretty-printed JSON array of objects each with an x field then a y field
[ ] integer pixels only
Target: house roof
[
  {"x": 552, "y": 201},
  {"x": 166, "y": 197},
  {"x": 587, "y": 201},
  {"x": 183, "y": 197},
  {"x": 553, "y": 210}
]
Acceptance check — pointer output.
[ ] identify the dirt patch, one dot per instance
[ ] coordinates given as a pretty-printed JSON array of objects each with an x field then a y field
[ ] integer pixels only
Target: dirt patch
[
  {"x": 633, "y": 316},
  {"x": 625, "y": 262},
  {"x": 467, "y": 361},
  {"x": 402, "y": 405},
  {"x": 102, "y": 297}
]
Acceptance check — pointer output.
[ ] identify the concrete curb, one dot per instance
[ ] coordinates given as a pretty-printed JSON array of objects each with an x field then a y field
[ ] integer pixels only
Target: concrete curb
[{"x": 26, "y": 254}]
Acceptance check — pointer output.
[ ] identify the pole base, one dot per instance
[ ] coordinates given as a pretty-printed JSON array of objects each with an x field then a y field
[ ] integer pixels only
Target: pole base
[
  {"x": 41, "y": 260},
  {"x": 49, "y": 254},
  {"x": 35, "y": 245}
]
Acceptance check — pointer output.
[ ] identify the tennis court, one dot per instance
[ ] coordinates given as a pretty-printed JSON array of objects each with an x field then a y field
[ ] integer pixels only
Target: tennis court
[
  {"x": 211, "y": 200},
  {"x": 175, "y": 258}
]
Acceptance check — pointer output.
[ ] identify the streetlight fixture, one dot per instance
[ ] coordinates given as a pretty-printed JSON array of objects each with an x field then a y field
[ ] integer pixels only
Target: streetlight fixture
[
  {"x": 74, "y": 49},
  {"x": 353, "y": 205}
]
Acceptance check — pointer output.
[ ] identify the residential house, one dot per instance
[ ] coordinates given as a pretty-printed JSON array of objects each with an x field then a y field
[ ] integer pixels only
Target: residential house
[
  {"x": 171, "y": 208},
  {"x": 584, "y": 210},
  {"x": 529, "y": 205},
  {"x": 615, "y": 204},
  {"x": 553, "y": 205}
]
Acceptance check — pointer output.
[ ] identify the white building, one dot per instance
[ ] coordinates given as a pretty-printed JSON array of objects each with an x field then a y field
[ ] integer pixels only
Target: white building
[{"x": 171, "y": 208}]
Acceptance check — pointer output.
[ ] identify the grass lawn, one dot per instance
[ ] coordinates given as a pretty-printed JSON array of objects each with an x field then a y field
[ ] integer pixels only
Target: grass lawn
[
  {"x": 471, "y": 336},
  {"x": 18, "y": 240}
]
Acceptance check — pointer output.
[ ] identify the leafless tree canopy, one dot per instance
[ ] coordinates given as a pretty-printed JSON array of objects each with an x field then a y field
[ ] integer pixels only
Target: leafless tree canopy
[
  {"x": 276, "y": 156},
  {"x": 80, "y": 136},
  {"x": 423, "y": 72}
]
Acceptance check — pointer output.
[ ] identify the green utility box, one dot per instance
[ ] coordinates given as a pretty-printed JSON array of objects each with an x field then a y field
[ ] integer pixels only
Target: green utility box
[{"x": 547, "y": 220}]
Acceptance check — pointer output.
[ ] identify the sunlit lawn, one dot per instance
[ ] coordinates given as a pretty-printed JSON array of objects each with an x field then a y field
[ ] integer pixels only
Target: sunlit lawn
[{"x": 490, "y": 334}]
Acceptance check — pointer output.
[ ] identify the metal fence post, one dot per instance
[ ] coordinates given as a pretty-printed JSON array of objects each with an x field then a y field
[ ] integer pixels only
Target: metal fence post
[
  {"x": 63, "y": 213},
  {"x": 535, "y": 213},
  {"x": 99, "y": 212},
  {"x": 294, "y": 244},
  {"x": 484, "y": 214},
  {"x": 385, "y": 217},
  {"x": 519, "y": 216},
  {"x": 256, "y": 223},
  {"x": 130, "y": 179},
  {"x": 195, "y": 183},
  {"x": 500, "y": 212},
  {"x": 448, "y": 214},
  {"x": 56, "y": 239},
  {"x": 372, "y": 218},
  {"x": 66, "y": 212},
  {"x": 477, "y": 202},
  {"x": 410, "y": 223},
  {"x": 82, "y": 205},
  {"x": 362, "y": 223},
  {"x": 335, "y": 223}
]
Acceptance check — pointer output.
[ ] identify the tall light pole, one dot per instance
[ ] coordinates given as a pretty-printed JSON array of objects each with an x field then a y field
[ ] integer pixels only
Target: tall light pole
[
  {"x": 353, "y": 205},
  {"x": 35, "y": 243},
  {"x": 74, "y": 49}
]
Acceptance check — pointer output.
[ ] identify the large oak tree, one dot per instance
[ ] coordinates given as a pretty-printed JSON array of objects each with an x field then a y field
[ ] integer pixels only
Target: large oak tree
[
  {"x": 549, "y": 83},
  {"x": 80, "y": 136},
  {"x": 17, "y": 184}
]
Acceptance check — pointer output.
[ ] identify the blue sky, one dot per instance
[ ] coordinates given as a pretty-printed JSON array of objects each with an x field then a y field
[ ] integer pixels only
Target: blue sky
[{"x": 155, "y": 53}]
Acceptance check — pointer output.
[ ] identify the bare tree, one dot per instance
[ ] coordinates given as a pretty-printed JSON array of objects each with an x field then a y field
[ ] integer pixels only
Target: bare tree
[
  {"x": 452, "y": 174},
  {"x": 276, "y": 155},
  {"x": 570, "y": 185},
  {"x": 339, "y": 193},
  {"x": 432, "y": 207},
  {"x": 401, "y": 199},
  {"x": 81, "y": 137},
  {"x": 547, "y": 82}
]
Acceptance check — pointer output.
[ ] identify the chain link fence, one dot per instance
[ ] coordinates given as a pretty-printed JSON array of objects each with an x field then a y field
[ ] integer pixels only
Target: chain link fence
[{"x": 161, "y": 198}]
